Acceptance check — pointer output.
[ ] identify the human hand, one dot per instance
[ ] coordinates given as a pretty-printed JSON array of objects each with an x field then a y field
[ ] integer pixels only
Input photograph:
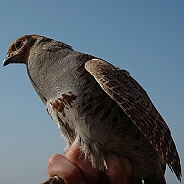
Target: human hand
[{"x": 73, "y": 168}]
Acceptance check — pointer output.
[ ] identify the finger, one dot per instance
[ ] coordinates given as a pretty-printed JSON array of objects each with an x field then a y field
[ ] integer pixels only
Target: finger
[
  {"x": 134, "y": 181},
  {"x": 118, "y": 171},
  {"x": 77, "y": 157},
  {"x": 58, "y": 165},
  {"x": 129, "y": 170}
]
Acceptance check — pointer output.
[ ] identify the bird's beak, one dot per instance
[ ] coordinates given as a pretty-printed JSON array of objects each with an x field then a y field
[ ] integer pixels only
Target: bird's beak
[{"x": 8, "y": 59}]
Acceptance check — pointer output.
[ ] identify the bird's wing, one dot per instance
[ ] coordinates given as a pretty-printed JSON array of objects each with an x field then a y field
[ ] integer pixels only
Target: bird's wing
[{"x": 134, "y": 101}]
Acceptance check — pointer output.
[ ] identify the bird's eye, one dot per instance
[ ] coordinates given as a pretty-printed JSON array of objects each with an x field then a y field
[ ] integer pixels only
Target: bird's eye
[{"x": 18, "y": 45}]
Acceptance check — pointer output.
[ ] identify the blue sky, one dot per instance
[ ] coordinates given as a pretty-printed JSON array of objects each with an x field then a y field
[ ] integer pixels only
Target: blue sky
[{"x": 144, "y": 37}]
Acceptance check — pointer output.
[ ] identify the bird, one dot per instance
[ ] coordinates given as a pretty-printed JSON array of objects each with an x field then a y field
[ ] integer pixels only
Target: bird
[{"x": 98, "y": 107}]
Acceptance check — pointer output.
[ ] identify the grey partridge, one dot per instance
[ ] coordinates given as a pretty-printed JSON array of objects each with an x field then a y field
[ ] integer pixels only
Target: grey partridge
[{"x": 98, "y": 106}]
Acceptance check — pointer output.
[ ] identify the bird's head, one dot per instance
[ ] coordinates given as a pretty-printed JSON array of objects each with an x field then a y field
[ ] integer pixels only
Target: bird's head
[{"x": 18, "y": 51}]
